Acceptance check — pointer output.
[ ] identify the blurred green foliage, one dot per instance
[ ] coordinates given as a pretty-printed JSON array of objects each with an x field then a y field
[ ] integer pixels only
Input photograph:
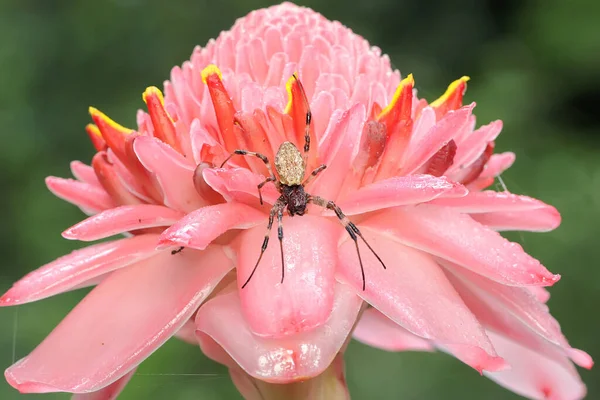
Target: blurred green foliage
[{"x": 533, "y": 64}]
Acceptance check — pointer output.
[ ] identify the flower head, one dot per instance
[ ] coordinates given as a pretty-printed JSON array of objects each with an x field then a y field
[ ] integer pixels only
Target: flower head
[{"x": 408, "y": 177}]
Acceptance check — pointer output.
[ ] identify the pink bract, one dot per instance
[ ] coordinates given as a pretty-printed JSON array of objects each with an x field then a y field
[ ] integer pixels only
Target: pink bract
[{"x": 410, "y": 173}]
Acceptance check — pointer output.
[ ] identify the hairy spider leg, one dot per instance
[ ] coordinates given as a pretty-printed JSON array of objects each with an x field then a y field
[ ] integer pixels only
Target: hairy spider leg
[
  {"x": 308, "y": 117},
  {"x": 314, "y": 174},
  {"x": 352, "y": 230},
  {"x": 264, "y": 159},
  {"x": 277, "y": 209},
  {"x": 280, "y": 237}
]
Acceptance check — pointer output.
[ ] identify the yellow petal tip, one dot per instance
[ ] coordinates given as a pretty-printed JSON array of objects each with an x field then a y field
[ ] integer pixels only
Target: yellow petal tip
[
  {"x": 450, "y": 91},
  {"x": 288, "y": 86},
  {"x": 210, "y": 70},
  {"x": 153, "y": 90}
]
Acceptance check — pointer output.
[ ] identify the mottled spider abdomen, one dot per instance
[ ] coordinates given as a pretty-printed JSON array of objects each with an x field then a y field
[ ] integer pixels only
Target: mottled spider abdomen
[{"x": 289, "y": 164}]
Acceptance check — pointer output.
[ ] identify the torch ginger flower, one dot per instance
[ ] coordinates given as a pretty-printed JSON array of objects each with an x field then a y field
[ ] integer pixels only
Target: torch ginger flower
[{"x": 410, "y": 174}]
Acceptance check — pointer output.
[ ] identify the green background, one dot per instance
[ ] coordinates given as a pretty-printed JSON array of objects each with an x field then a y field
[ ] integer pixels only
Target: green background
[{"x": 533, "y": 64}]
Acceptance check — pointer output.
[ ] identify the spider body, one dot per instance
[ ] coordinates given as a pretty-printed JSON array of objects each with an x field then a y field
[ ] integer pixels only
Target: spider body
[{"x": 290, "y": 166}]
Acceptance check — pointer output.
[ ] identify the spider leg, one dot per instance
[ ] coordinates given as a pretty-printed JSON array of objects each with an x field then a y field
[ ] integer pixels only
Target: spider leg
[
  {"x": 280, "y": 237},
  {"x": 308, "y": 118},
  {"x": 314, "y": 174},
  {"x": 277, "y": 208},
  {"x": 352, "y": 230},
  {"x": 264, "y": 159}
]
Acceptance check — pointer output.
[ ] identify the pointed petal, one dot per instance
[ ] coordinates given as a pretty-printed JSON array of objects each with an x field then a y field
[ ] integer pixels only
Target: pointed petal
[
  {"x": 199, "y": 228},
  {"x": 422, "y": 148},
  {"x": 71, "y": 271},
  {"x": 122, "y": 219},
  {"x": 400, "y": 191},
  {"x": 120, "y": 323},
  {"x": 414, "y": 293},
  {"x": 174, "y": 173},
  {"x": 283, "y": 360},
  {"x": 456, "y": 237},
  {"x": 377, "y": 330},
  {"x": 239, "y": 185},
  {"x": 304, "y": 300},
  {"x": 90, "y": 198},
  {"x": 84, "y": 173},
  {"x": 111, "y": 392},
  {"x": 533, "y": 375}
]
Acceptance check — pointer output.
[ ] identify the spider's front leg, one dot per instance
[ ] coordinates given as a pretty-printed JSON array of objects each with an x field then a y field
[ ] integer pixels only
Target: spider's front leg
[
  {"x": 264, "y": 159},
  {"x": 352, "y": 230}
]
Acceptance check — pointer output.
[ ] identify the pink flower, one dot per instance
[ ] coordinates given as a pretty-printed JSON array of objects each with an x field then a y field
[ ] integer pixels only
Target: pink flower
[{"x": 410, "y": 174}]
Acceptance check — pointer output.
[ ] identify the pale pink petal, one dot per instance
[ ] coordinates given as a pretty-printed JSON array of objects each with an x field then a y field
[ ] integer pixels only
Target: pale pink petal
[
  {"x": 199, "y": 228},
  {"x": 187, "y": 332},
  {"x": 533, "y": 375},
  {"x": 110, "y": 392},
  {"x": 377, "y": 330},
  {"x": 414, "y": 292},
  {"x": 240, "y": 185},
  {"x": 304, "y": 300},
  {"x": 120, "y": 323},
  {"x": 84, "y": 173},
  {"x": 497, "y": 164},
  {"x": 474, "y": 144},
  {"x": 282, "y": 360},
  {"x": 421, "y": 148},
  {"x": 456, "y": 237},
  {"x": 122, "y": 219},
  {"x": 173, "y": 172},
  {"x": 400, "y": 191},
  {"x": 91, "y": 198},
  {"x": 76, "y": 269},
  {"x": 541, "y": 294},
  {"x": 540, "y": 220}
]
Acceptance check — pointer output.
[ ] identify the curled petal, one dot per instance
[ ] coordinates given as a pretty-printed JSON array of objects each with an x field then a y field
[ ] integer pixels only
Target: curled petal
[
  {"x": 294, "y": 358},
  {"x": 76, "y": 269},
  {"x": 91, "y": 198},
  {"x": 456, "y": 237},
  {"x": 199, "y": 228},
  {"x": 239, "y": 185},
  {"x": 377, "y": 330},
  {"x": 122, "y": 219},
  {"x": 110, "y": 392},
  {"x": 304, "y": 299},
  {"x": 414, "y": 293},
  {"x": 174, "y": 173},
  {"x": 533, "y": 375},
  {"x": 400, "y": 191},
  {"x": 120, "y": 323}
]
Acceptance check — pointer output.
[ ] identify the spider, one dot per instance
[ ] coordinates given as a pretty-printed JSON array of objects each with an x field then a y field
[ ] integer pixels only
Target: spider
[{"x": 291, "y": 169}]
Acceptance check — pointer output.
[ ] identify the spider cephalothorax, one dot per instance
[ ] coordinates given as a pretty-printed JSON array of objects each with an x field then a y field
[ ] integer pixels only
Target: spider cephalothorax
[{"x": 290, "y": 166}]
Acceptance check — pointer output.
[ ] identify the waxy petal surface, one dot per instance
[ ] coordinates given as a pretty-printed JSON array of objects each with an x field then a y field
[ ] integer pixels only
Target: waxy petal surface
[
  {"x": 456, "y": 237},
  {"x": 120, "y": 323},
  {"x": 122, "y": 219},
  {"x": 414, "y": 292},
  {"x": 74, "y": 270},
  {"x": 282, "y": 360},
  {"x": 533, "y": 375},
  {"x": 400, "y": 191},
  {"x": 199, "y": 228},
  {"x": 377, "y": 330},
  {"x": 240, "y": 185},
  {"x": 304, "y": 300},
  {"x": 110, "y": 392},
  {"x": 91, "y": 198}
]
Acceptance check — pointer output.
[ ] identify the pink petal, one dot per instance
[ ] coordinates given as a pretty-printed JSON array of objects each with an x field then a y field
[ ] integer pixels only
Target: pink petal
[
  {"x": 199, "y": 228},
  {"x": 84, "y": 173},
  {"x": 504, "y": 211},
  {"x": 414, "y": 293},
  {"x": 497, "y": 164},
  {"x": 75, "y": 269},
  {"x": 540, "y": 293},
  {"x": 377, "y": 330},
  {"x": 122, "y": 219},
  {"x": 422, "y": 148},
  {"x": 110, "y": 392},
  {"x": 120, "y": 323},
  {"x": 474, "y": 144},
  {"x": 456, "y": 237},
  {"x": 534, "y": 376},
  {"x": 173, "y": 172},
  {"x": 304, "y": 300},
  {"x": 240, "y": 185},
  {"x": 91, "y": 198},
  {"x": 283, "y": 360},
  {"x": 400, "y": 191}
]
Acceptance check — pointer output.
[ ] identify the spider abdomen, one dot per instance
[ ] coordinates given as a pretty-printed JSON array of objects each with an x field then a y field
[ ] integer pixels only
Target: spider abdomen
[{"x": 289, "y": 164}]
